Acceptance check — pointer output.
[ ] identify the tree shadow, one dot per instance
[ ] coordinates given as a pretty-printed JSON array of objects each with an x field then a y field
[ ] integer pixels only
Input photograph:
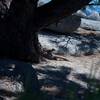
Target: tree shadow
[
  {"x": 17, "y": 77},
  {"x": 88, "y": 45},
  {"x": 93, "y": 87},
  {"x": 56, "y": 83}
]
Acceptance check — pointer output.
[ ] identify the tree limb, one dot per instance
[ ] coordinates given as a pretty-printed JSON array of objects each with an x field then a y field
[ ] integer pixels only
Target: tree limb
[{"x": 56, "y": 10}]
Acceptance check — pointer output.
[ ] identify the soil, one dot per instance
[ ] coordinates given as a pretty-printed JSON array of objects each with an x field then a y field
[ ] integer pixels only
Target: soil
[
  {"x": 57, "y": 76},
  {"x": 61, "y": 76}
]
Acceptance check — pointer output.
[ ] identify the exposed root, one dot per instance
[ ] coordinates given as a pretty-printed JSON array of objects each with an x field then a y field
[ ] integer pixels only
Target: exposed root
[{"x": 49, "y": 54}]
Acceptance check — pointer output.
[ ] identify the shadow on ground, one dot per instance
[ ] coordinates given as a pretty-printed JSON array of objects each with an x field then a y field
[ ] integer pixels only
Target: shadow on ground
[
  {"x": 56, "y": 83},
  {"x": 16, "y": 77}
]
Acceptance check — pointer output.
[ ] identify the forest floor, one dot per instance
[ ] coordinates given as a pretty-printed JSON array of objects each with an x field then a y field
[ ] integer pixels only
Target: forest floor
[{"x": 69, "y": 77}]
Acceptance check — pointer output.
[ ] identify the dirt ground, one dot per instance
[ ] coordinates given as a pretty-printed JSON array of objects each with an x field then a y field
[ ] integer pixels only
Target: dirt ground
[
  {"x": 57, "y": 77},
  {"x": 74, "y": 78}
]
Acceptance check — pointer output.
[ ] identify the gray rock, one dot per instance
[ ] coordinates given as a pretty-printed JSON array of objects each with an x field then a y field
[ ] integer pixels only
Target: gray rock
[
  {"x": 90, "y": 24},
  {"x": 68, "y": 24},
  {"x": 73, "y": 22},
  {"x": 42, "y": 2}
]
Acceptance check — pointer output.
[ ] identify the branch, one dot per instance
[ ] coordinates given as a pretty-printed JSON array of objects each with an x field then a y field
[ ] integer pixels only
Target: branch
[
  {"x": 56, "y": 10},
  {"x": 94, "y": 4}
]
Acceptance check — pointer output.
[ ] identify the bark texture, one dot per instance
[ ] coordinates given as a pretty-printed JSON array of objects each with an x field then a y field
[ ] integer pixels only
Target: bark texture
[{"x": 20, "y": 40}]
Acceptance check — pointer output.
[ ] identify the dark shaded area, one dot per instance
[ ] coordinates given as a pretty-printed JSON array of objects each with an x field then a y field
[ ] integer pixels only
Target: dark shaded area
[
  {"x": 17, "y": 31},
  {"x": 7, "y": 93},
  {"x": 89, "y": 44},
  {"x": 68, "y": 24},
  {"x": 16, "y": 71},
  {"x": 68, "y": 89}
]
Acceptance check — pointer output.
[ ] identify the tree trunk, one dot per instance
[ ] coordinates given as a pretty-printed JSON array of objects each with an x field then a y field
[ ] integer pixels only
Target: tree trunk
[
  {"x": 18, "y": 37},
  {"x": 20, "y": 41}
]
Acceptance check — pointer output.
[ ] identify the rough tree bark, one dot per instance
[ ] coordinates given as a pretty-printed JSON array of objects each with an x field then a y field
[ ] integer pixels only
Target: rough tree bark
[
  {"x": 21, "y": 41},
  {"x": 18, "y": 38}
]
